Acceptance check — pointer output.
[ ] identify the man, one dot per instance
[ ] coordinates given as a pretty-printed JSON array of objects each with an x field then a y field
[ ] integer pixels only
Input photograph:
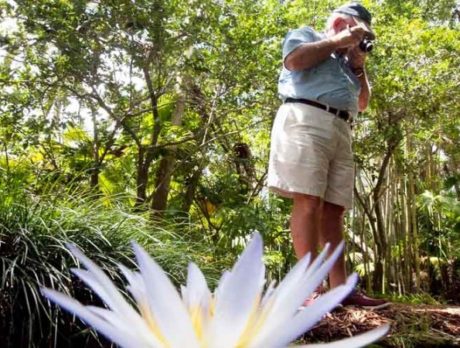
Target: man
[{"x": 323, "y": 85}]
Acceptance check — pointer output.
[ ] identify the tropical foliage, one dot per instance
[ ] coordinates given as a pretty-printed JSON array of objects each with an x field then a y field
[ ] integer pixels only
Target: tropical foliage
[{"x": 150, "y": 120}]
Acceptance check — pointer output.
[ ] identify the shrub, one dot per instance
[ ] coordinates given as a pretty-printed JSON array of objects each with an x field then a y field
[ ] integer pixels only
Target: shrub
[{"x": 33, "y": 234}]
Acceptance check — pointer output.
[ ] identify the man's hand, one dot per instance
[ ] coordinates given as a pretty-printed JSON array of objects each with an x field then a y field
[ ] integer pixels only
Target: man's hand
[{"x": 349, "y": 37}]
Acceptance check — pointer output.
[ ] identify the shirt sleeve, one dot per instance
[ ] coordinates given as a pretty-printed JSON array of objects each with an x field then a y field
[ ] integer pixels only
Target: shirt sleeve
[{"x": 297, "y": 37}]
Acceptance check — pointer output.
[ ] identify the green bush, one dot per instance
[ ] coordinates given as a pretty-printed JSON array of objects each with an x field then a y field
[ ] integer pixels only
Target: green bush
[{"x": 33, "y": 236}]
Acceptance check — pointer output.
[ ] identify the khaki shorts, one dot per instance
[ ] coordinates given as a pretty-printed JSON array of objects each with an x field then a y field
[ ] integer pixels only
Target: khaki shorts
[{"x": 311, "y": 154}]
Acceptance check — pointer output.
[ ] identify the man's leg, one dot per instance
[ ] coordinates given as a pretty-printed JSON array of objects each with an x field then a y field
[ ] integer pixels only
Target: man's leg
[
  {"x": 331, "y": 227},
  {"x": 305, "y": 224}
]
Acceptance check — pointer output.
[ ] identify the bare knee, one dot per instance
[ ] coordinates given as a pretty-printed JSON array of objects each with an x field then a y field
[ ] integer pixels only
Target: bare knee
[
  {"x": 307, "y": 205},
  {"x": 333, "y": 211},
  {"x": 332, "y": 223}
]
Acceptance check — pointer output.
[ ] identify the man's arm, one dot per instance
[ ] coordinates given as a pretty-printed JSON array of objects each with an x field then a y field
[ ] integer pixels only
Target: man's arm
[
  {"x": 310, "y": 54},
  {"x": 365, "y": 93},
  {"x": 357, "y": 60}
]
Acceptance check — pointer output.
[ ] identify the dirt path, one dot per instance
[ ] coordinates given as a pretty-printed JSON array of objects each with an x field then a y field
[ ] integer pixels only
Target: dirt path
[{"x": 411, "y": 325}]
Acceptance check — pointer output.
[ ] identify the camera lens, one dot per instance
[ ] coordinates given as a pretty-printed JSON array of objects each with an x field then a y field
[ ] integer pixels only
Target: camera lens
[{"x": 366, "y": 45}]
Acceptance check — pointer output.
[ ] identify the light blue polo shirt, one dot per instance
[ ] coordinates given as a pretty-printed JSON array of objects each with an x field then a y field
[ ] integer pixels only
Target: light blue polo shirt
[{"x": 331, "y": 82}]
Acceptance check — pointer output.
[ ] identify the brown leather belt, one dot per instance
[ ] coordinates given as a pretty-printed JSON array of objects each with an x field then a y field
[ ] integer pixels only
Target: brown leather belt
[{"x": 344, "y": 115}]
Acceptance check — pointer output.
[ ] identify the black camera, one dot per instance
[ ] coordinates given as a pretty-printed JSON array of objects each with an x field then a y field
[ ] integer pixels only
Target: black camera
[{"x": 366, "y": 45}]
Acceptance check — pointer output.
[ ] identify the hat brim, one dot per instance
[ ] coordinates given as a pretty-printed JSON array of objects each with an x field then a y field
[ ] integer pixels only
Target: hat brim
[{"x": 369, "y": 32}]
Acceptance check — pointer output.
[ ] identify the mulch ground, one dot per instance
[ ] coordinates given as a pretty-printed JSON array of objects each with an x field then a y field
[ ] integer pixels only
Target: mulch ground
[{"x": 411, "y": 325}]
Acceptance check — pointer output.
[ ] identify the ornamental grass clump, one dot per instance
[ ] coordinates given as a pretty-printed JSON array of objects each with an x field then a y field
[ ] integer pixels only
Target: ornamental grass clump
[{"x": 34, "y": 231}]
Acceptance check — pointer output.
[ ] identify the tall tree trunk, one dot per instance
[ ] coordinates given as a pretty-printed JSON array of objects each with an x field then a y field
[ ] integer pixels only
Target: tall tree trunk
[
  {"x": 167, "y": 163},
  {"x": 141, "y": 177},
  {"x": 412, "y": 216},
  {"x": 162, "y": 183},
  {"x": 94, "y": 179},
  {"x": 380, "y": 257},
  {"x": 191, "y": 185},
  {"x": 407, "y": 236},
  {"x": 381, "y": 235},
  {"x": 198, "y": 99},
  {"x": 146, "y": 155},
  {"x": 391, "y": 275},
  {"x": 414, "y": 233}
]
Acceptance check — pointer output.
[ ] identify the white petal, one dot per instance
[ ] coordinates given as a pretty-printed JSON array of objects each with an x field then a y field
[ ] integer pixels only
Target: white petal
[
  {"x": 357, "y": 341},
  {"x": 136, "y": 285},
  {"x": 114, "y": 320},
  {"x": 238, "y": 296},
  {"x": 184, "y": 294},
  {"x": 311, "y": 279},
  {"x": 268, "y": 293},
  {"x": 322, "y": 256},
  {"x": 292, "y": 292},
  {"x": 96, "y": 279},
  {"x": 290, "y": 281},
  {"x": 165, "y": 303},
  {"x": 101, "y": 284},
  {"x": 197, "y": 298},
  {"x": 293, "y": 276},
  {"x": 90, "y": 279},
  {"x": 222, "y": 281},
  {"x": 302, "y": 281},
  {"x": 286, "y": 332},
  {"x": 117, "y": 335},
  {"x": 197, "y": 290}
]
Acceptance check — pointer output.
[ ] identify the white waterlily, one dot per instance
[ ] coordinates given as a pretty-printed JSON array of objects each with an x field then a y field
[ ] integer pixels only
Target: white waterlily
[{"x": 239, "y": 313}]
